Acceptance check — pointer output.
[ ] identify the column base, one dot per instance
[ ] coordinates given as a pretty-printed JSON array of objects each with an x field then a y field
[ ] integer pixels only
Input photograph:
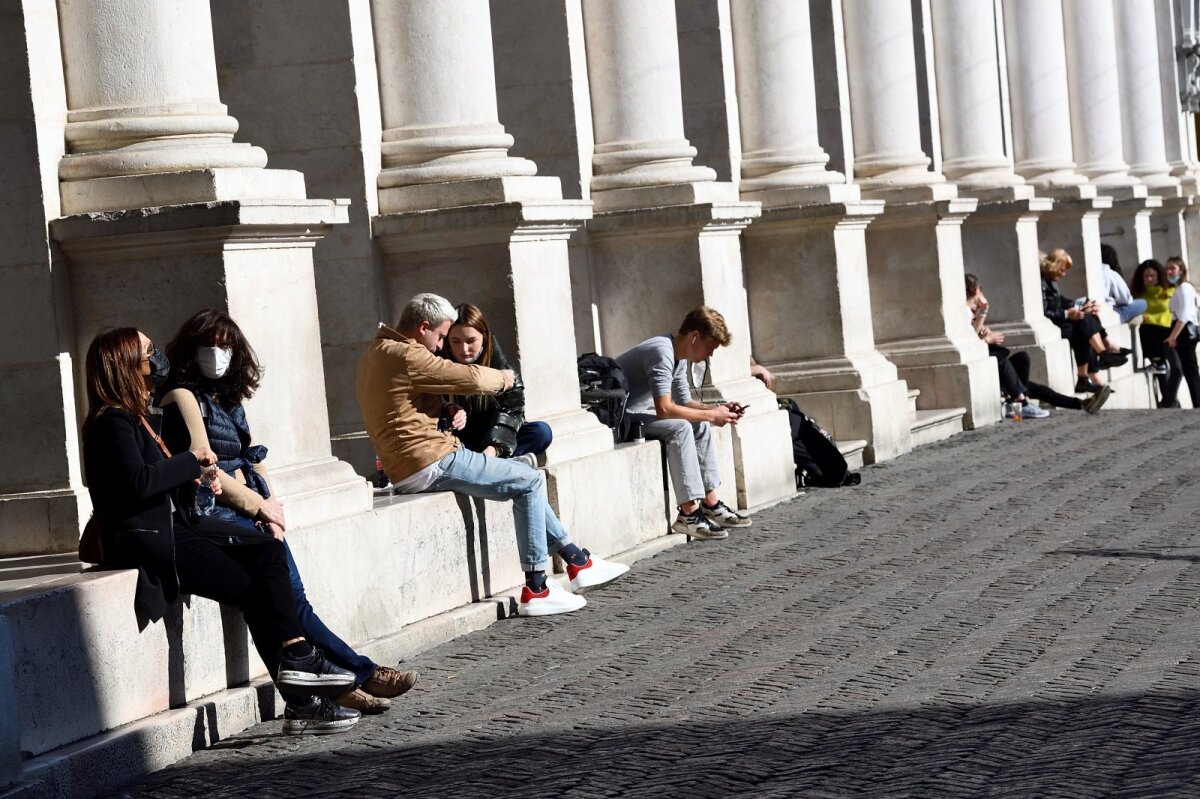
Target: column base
[
  {"x": 253, "y": 259},
  {"x": 854, "y": 397},
  {"x": 43, "y": 522},
  {"x": 180, "y": 188},
  {"x": 468, "y": 193},
  {"x": 949, "y": 375}
]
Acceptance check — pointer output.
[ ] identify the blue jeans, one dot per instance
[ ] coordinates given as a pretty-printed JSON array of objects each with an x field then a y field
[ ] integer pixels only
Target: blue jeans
[
  {"x": 533, "y": 439},
  {"x": 1127, "y": 312},
  {"x": 318, "y": 634},
  {"x": 539, "y": 532}
]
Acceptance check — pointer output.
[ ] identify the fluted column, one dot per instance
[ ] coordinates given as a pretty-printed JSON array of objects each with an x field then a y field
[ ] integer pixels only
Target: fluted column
[
  {"x": 144, "y": 111},
  {"x": 1095, "y": 92},
  {"x": 1037, "y": 76},
  {"x": 438, "y": 95},
  {"x": 1141, "y": 93},
  {"x": 777, "y": 98},
  {"x": 968, "y": 93},
  {"x": 887, "y": 130},
  {"x": 637, "y": 103}
]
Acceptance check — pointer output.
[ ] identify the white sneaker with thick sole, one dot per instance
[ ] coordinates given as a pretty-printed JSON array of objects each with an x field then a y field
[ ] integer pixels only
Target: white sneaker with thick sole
[
  {"x": 595, "y": 572},
  {"x": 1031, "y": 411},
  {"x": 697, "y": 525},
  {"x": 553, "y": 600},
  {"x": 724, "y": 515}
]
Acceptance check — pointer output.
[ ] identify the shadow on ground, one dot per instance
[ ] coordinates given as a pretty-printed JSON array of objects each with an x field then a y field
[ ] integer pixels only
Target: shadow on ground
[{"x": 1142, "y": 745}]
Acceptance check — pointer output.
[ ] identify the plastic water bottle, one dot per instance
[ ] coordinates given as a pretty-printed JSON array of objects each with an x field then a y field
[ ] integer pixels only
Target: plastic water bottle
[
  {"x": 206, "y": 499},
  {"x": 639, "y": 434}
]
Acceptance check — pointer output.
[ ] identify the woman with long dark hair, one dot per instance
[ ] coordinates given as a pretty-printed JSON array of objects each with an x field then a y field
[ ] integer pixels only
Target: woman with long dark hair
[
  {"x": 214, "y": 370},
  {"x": 133, "y": 478},
  {"x": 495, "y": 424},
  {"x": 1184, "y": 326},
  {"x": 1150, "y": 285}
]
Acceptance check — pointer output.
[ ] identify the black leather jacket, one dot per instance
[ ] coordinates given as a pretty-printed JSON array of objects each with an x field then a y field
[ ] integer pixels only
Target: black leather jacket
[
  {"x": 492, "y": 419},
  {"x": 1054, "y": 304}
]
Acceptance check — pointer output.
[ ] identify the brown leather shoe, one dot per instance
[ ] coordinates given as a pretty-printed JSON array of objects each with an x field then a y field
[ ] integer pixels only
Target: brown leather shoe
[
  {"x": 363, "y": 702},
  {"x": 388, "y": 682}
]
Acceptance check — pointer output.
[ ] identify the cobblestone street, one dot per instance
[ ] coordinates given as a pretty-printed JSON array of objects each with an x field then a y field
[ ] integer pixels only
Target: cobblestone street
[{"x": 1013, "y": 612}]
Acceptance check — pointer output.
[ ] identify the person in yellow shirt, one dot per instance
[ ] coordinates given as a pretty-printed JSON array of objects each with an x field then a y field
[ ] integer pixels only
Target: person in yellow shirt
[{"x": 1150, "y": 284}]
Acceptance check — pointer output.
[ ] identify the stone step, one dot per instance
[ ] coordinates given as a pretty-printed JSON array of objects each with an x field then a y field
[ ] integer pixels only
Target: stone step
[
  {"x": 936, "y": 424},
  {"x": 913, "y": 394},
  {"x": 852, "y": 451},
  {"x": 18, "y": 569}
]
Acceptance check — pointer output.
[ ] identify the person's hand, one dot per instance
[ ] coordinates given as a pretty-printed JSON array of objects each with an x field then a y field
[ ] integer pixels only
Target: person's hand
[
  {"x": 271, "y": 512},
  {"x": 993, "y": 338},
  {"x": 490, "y": 451},
  {"x": 1170, "y": 341},
  {"x": 205, "y": 455},
  {"x": 1092, "y": 307},
  {"x": 510, "y": 377},
  {"x": 275, "y": 530},
  {"x": 762, "y": 373},
  {"x": 721, "y": 416},
  {"x": 457, "y": 414},
  {"x": 1073, "y": 314},
  {"x": 737, "y": 408}
]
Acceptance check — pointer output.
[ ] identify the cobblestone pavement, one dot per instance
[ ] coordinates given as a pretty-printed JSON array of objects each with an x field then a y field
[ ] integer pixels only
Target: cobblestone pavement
[{"x": 1012, "y": 612}]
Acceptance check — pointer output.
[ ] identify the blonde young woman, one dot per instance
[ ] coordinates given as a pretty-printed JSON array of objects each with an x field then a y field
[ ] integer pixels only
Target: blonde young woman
[{"x": 1078, "y": 321}]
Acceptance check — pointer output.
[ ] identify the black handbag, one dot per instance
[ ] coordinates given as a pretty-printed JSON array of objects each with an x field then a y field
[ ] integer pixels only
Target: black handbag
[{"x": 1190, "y": 333}]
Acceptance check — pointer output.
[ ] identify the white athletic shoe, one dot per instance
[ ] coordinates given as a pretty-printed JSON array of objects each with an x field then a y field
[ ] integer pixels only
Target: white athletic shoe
[
  {"x": 554, "y": 599},
  {"x": 595, "y": 572},
  {"x": 724, "y": 515},
  {"x": 1031, "y": 411}
]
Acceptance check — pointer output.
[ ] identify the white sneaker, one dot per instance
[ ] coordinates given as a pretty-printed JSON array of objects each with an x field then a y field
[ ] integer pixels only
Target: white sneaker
[
  {"x": 529, "y": 459},
  {"x": 724, "y": 515},
  {"x": 596, "y": 571},
  {"x": 381, "y": 485},
  {"x": 554, "y": 599},
  {"x": 1031, "y": 411},
  {"x": 697, "y": 525}
]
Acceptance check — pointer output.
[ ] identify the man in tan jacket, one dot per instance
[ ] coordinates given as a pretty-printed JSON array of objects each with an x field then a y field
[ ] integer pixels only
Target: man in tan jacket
[{"x": 401, "y": 387}]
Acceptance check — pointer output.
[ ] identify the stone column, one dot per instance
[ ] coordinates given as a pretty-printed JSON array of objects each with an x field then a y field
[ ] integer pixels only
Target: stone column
[
  {"x": 915, "y": 248},
  {"x": 666, "y": 236},
  {"x": 192, "y": 220},
  {"x": 461, "y": 217},
  {"x": 1000, "y": 238},
  {"x": 1141, "y": 94},
  {"x": 812, "y": 329},
  {"x": 1037, "y": 77}
]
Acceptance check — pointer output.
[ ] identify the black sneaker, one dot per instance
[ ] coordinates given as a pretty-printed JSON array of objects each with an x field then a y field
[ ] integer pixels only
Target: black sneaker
[
  {"x": 380, "y": 483},
  {"x": 1111, "y": 360},
  {"x": 1085, "y": 385},
  {"x": 319, "y": 716},
  {"x": 314, "y": 674}
]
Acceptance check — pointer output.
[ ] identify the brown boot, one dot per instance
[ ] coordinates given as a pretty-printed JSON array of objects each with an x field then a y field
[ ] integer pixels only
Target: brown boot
[
  {"x": 389, "y": 682},
  {"x": 363, "y": 702}
]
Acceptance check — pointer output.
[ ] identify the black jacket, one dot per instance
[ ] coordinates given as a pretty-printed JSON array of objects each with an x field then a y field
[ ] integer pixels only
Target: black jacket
[
  {"x": 131, "y": 481},
  {"x": 492, "y": 419},
  {"x": 1054, "y": 304}
]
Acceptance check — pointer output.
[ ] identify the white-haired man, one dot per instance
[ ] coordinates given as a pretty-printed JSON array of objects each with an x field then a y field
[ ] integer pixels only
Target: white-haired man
[{"x": 401, "y": 392}]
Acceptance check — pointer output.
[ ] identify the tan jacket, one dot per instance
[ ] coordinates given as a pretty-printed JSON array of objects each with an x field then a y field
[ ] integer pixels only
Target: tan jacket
[
  {"x": 234, "y": 491},
  {"x": 399, "y": 387}
]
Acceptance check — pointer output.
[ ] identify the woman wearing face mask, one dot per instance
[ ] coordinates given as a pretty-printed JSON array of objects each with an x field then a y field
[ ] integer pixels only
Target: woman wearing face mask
[
  {"x": 495, "y": 424},
  {"x": 1150, "y": 284},
  {"x": 1182, "y": 337},
  {"x": 214, "y": 370},
  {"x": 133, "y": 478}
]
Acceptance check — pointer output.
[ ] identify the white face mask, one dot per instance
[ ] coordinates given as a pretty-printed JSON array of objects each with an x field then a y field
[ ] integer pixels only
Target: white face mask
[{"x": 213, "y": 361}]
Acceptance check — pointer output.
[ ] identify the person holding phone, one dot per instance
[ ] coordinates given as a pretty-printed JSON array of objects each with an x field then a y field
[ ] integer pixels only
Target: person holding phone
[
  {"x": 660, "y": 399},
  {"x": 1078, "y": 321}
]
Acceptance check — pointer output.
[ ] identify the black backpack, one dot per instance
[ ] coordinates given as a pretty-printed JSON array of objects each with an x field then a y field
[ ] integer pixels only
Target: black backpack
[
  {"x": 604, "y": 391},
  {"x": 817, "y": 458}
]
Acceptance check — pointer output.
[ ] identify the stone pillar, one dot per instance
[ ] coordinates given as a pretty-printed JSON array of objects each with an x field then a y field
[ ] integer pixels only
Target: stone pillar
[
  {"x": 1141, "y": 95},
  {"x": 156, "y": 187},
  {"x": 1000, "y": 238},
  {"x": 915, "y": 248},
  {"x": 666, "y": 236},
  {"x": 813, "y": 331},
  {"x": 461, "y": 217},
  {"x": 1037, "y": 77}
]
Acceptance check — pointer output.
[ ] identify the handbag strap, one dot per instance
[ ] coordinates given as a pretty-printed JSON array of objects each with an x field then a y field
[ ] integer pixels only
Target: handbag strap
[{"x": 157, "y": 438}]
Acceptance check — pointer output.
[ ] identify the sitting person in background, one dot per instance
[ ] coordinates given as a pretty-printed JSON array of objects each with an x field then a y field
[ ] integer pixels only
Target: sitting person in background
[
  {"x": 135, "y": 481},
  {"x": 213, "y": 371},
  {"x": 400, "y": 387},
  {"x": 1079, "y": 323},
  {"x": 1014, "y": 367},
  {"x": 1151, "y": 286},
  {"x": 496, "y": 423},
  {"x": 661, "y": 401},
  {"x": 1116, "y": 291}
]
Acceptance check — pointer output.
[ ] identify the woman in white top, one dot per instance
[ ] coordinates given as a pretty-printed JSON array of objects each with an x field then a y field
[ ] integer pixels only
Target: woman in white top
[{"x": 1184, "y": 326}]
